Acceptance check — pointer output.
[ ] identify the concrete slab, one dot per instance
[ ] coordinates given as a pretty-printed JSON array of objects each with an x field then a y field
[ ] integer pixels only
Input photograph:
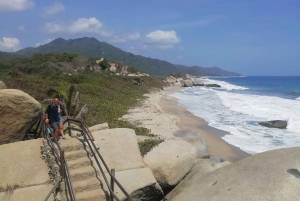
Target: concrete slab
[
  {"x": 28, "y": 194},
  {"x": 21, "y": 164}
]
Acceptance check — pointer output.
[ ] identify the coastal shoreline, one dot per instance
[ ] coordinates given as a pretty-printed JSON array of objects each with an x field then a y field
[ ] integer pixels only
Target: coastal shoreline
[
  {"x": 212, "y": 136},
  {"x": 162, "y": 114}
]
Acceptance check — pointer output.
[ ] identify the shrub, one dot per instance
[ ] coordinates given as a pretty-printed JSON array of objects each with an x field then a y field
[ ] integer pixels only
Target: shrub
[{"x": 147, "y": 145}]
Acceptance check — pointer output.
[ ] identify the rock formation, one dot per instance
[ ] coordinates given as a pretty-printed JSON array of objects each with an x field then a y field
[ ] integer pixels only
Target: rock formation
[
  {"x": 195, "y": 140},
  {"x": 170, "y": 161},
  {"x": 2, "y": 85},
  {"x": 272, "y": 175},
  {"x": 20, "y": 110},
  {"x": 274, "y": 124}
]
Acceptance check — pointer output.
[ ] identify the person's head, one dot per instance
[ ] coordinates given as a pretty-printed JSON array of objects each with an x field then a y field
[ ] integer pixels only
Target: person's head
[{"x": 55, "y": 101}]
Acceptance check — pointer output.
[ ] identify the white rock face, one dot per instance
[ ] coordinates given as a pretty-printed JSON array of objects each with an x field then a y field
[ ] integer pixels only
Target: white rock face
[
  {"x": 98, "y": 127},
  {"x": 140, "y": 185},
  {"x": 194, "y": 139},
  {"x": 199, "y": 169},
  {"x": 170, "y": 161},
  {"x": 2, "y": 85},
  {"x": 272, "y": 175},
  {"x": 119, "y": 148},
  {"x": 187, "y": 83}
]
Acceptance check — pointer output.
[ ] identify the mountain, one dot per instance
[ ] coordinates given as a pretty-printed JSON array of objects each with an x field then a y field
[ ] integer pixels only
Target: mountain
[{"x": 91, "y": 47}]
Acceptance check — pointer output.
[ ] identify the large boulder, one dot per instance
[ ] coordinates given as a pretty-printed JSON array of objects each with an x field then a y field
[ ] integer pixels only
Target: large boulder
[
  {"x": 272, "y": 175},
  {"x": 98, "y": 127},
  {"x": 139, "y": 183},
  {"x": 187, "y": 83},
  {"x": 194, "y": 139},
  {"x": 274, "y": 124},
  {"x": 200, "y": 169},
  {"x": 2, "y": 85},
  {"x": 19, "y": 112},
  {"x": 119, "y": 148},
  {"x": 170, "y": 161}
]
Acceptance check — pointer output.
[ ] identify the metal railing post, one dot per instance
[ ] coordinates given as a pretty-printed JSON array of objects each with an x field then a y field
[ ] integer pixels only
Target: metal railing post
[
  {"x": 62, "y": 163},
  {"x": 69, "y": 127},
  {"x": 112, "y": 186}
]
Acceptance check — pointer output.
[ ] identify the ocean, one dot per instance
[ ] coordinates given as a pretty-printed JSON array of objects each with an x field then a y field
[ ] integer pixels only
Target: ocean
[{"x": 241, "y": 103}]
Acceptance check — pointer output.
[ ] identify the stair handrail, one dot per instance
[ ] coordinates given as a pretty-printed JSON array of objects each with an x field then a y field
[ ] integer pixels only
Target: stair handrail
[
  {"x": 87, "y": 138},
  {"x": 60, "y": 159}
]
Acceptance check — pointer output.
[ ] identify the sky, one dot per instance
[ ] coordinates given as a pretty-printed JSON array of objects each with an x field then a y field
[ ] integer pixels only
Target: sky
[{"x": 251, "y": 37}]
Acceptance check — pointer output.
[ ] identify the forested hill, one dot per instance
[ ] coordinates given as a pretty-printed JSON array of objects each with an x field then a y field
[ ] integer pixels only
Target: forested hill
[{"x": 91, "y": 47}]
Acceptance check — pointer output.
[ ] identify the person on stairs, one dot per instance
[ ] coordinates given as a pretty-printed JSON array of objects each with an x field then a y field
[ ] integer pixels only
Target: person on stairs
[
  {"x": 52, "y": 118},
  {"x": 61, "y": 120}
]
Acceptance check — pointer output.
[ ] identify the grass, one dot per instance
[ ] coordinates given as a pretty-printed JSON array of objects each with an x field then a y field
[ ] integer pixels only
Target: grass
[
  {"x": 147, "y": 145},
  {"x": 108, "y": 97}
]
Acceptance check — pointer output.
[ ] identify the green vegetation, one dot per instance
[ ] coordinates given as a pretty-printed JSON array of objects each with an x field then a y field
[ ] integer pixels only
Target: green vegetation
[
  {"x": 108, "y": 97},
  {"x": 146, "y": 145}
]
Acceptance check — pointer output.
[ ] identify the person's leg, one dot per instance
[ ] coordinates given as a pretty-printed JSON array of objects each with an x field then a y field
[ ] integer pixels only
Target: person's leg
[
  {"x": 61, "y": 129},
  {"x": 55, "y": 126}
]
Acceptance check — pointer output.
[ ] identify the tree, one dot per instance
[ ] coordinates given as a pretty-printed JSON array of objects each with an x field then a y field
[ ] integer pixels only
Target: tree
[{"x": 104, "y": 64}]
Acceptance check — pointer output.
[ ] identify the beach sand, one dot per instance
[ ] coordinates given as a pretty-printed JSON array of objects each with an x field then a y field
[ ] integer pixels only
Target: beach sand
[{"x": 163, "y": 115}]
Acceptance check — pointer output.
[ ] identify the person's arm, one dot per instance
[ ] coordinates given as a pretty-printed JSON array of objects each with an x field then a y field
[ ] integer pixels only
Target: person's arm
[{"x": 46, "y": 114}]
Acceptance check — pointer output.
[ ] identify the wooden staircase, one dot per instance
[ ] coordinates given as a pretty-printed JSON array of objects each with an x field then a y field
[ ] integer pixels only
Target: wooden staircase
[{"x": 84, "y": 176}]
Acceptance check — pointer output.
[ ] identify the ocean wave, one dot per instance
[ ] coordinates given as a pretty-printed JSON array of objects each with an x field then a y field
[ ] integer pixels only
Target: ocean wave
[
  {"x": 239, "y": 114},
  {"x": 224, "y": 85}
]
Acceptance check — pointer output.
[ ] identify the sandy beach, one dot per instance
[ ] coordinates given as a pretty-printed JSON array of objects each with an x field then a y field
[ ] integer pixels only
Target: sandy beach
[{"x": 163, "y": 115}]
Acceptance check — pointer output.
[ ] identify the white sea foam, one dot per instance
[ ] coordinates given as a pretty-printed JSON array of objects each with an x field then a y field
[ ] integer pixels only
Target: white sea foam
[
  {"x": 224, "y": 85},
  {"x": 239, "y": 114}
]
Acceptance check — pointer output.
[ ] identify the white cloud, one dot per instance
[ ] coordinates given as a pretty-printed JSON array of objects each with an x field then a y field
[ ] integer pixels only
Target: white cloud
[
  {"x": 55, "y": 8},
  {"x": 43, "y": 42},
  {"x": 15, "y": 5},
  {"x": 134, "y": 36},
  {"x": 9, "y": 44},
  {"x": 82, "y": 25},
  {"x": 162, "y": 39}
]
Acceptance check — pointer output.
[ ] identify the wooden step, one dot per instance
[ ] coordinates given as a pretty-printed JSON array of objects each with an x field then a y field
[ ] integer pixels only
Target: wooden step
[
  {"x": 73, "y": 155},
  {"x": 78, "y": 163},
  {"x": 94, "y": 195},
  {"x": 82, "y": 173},
  {"x": 86, "y": 185}
]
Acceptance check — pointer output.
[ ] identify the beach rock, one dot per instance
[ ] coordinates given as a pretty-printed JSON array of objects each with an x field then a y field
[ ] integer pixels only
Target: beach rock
[
  {"x": 140, "y": 184},
  {"x": 119, "y": 148},
  {"x": 198, "y": 170},
  {"x": 170, "y": 161},
  {"x": 187, "y": 83},
  {"x": 2, "y": 85},
  {"x": 19, "y": 112},
  {"x": 113, "y": 68},
  {"x": 98, "y": 127},
  {"x": 272, "y": 175},
  {"x": 212, "y": 85},
  {"x": 194, "y": 139},
  {"x": 124, "y": 70},
  {"x": 217, "y": 159},
  {"x": 274, "y": 124}
]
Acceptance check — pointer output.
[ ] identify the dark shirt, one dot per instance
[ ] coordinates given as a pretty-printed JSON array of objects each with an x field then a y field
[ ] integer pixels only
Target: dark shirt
[{"x": 52, "y": 112}]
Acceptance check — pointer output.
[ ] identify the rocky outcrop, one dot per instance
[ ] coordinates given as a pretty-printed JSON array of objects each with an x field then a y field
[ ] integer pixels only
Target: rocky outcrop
[
  {"x": 272, "y": 175},
  {"x": 119, "y": 148},
  {"x": 113, "y": 68},
  {"x": 199, "y": 170},
  {"x": 140, "y": 185},
  {"x": 170, "y": 161},
  {"x": 173, "y": 81},
  {"x": 187, "y": 83},
  {"x": 194, "y": 139},
  {"x": 274, "y": 124},
  {"x": 207, "y": 85},
  {"x": 19, "y": 112},
  {"x": 2, "y": 85},
  {"x": 98, "y": 127}
]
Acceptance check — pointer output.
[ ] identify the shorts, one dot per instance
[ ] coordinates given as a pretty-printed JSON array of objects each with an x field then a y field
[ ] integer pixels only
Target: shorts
[
  {"x": 55, "y": 125},
  {"x": 60, "y": 118}
]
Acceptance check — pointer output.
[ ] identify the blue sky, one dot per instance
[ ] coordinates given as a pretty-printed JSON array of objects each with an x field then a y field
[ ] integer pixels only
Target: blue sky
[{"x": 252, "y": 37}]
